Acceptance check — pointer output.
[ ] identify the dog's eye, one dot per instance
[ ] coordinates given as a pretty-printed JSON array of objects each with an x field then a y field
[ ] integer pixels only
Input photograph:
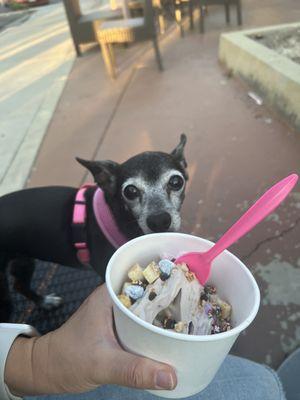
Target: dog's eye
[
  {"x": 176, "y": 182},
  {"x": 131, "y": 192}
]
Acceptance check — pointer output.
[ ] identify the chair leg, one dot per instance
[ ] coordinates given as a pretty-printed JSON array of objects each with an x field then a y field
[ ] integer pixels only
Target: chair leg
[
  {"x": 112, "y": 56},
  {"x": 201, "y": 19},
  {"x": 159, "y": 15},
  {"x": 157, "y": 54},
  {"x": 161, "y": 22},
  {"x": 181, "y": 18},
  {"x": 227, "y": 11},
  {"x": 191, "y": 13},
  {"x": 77, "y": 49},
  {"x": 178, "y": 16},
  {"x": 107, "y": 60},
  {"x": 239, "y": 12}
]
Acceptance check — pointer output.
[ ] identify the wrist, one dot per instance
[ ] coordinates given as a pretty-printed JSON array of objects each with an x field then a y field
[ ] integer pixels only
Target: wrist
[
  {"x": 27, "y": 370},
  {"x": 18, "y": 369}
]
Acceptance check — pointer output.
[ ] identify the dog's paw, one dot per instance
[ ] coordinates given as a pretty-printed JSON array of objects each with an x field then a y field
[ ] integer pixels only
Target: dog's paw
[{"x": 51, "y": 301}]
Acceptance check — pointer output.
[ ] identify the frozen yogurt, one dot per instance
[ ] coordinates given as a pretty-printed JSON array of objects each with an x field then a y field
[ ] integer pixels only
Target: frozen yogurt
[{"x": 169, "y": 296}]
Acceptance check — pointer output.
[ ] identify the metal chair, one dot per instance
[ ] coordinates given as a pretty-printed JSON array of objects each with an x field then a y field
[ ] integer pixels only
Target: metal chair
[
  {"x": 179, "y": 11},
  {"x": 136, "y": 8},
  {"x": 203, "y": 6},
  {"x": 126, "y": 31},
  {"x": 81, "y": 25}
]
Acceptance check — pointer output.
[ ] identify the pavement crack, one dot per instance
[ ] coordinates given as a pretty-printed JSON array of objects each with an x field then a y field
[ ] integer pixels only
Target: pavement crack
[{"x": 269, "y": 239}]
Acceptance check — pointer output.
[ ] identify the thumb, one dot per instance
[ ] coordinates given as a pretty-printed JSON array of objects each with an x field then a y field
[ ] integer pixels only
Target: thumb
[{"x": 127, "y": 369}]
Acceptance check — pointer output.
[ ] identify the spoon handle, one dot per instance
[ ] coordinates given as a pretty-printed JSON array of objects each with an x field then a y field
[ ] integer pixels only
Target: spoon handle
[{"x": 260, "y": 209}]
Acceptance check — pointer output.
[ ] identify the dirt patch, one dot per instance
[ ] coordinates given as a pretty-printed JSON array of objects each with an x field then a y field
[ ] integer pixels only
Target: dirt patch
[{"x": 285, "y": 42}]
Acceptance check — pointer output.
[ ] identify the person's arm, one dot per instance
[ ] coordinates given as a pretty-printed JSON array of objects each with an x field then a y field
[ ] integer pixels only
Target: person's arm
[
  {"x": 81, "y": 355},
  {"x": 9, "y": 336}
]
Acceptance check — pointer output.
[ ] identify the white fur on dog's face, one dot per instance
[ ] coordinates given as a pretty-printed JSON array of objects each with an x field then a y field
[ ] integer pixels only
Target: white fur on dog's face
[{"x": 154, "y": 197}]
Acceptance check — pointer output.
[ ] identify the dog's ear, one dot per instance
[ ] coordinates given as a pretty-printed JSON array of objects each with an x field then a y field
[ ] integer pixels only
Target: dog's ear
[
  {"x": 104, "y": 172},
  {"x": 178, "y": 153}
]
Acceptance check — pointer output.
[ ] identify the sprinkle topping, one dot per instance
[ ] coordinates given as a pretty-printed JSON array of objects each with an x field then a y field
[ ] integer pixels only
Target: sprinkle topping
[
  {"x": 166, "y": 266},
  {"x": 134, "y": 291}
]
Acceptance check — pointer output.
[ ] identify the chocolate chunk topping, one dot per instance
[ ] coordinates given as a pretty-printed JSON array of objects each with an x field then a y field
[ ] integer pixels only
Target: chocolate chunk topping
[
  {"x": 204, "y": 297},
  {"x": 210, "y": 289},
  {"x": 218, "y": 310},
  {"x": 169, "y": 323},
  {"x": 191, "y": 328},
  {"x": 152, "y": 295},
  {"x": 163, "y": 276}
]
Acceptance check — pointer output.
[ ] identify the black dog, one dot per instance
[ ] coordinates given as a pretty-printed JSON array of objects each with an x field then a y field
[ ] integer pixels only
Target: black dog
[{"x": 144, "y": 194}]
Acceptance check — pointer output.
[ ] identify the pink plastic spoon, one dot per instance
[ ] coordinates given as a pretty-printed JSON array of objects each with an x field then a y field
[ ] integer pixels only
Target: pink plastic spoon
[{"x": 200, "y": 263}]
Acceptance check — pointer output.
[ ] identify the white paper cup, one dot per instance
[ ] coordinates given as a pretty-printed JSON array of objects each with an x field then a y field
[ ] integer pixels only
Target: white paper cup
[{"x": 196, "y": 359}]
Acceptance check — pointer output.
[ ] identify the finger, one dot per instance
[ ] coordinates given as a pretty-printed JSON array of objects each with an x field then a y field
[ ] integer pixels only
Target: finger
[{"x": 127, "y": 369}]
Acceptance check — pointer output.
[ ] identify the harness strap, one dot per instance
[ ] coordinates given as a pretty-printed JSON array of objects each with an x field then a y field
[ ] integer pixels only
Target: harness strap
[{"x": 79, "y": 226}]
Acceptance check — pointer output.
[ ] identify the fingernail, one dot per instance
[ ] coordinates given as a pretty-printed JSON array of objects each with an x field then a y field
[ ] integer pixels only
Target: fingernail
[{"x": 164, "y": 380}]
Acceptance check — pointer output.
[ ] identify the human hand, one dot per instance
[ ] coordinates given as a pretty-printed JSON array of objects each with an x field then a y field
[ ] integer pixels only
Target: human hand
[{"x": 82, "y": 355}]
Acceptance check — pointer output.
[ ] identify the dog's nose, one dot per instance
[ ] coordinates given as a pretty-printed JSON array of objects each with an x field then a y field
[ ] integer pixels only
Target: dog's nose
[{"x": 159, "y": 222}]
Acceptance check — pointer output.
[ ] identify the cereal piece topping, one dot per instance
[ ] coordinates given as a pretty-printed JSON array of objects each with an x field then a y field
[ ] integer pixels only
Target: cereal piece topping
[
  {"x": 190, "y": 276},
  {"x": 152, "y": 295},
  {"x": 124, "y": 300},
  {"x": 225, "y": 309},
  {"x": 134, "y": 291},
  {"x": 166, "y": 266},
  {"x": 136, "y": 273},
  {"x": 151, "y": 272},
  {"x": 179, "y": 327},
  {"x": 183, "y": 267},
  {"x": 140, "y": 283}
]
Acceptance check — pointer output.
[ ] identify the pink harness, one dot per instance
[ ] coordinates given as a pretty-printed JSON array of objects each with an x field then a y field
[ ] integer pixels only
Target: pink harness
[{"x": 104, "y": 218}]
